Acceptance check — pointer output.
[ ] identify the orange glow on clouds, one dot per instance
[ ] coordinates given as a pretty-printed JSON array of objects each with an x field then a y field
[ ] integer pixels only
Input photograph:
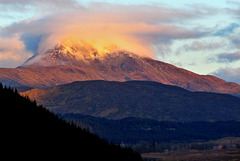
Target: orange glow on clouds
[
  {"x": 12, "y": 49},
  {"x": 108, "y": 28},
  {"x": 104, "y": 37}
]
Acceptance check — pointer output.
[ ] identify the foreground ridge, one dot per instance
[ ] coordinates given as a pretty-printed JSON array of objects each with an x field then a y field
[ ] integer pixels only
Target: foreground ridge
[{"x": 40, "y": 131}]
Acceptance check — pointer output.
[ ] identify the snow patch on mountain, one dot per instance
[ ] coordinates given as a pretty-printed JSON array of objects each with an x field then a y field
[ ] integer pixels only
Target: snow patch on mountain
[{"x": 75, "y": 53}]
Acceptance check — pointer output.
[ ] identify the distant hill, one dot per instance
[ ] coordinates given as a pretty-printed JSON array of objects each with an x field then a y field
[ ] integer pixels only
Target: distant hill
[
  {"x": 135, "y": 130},
  {"x": 31, "y": 131},
  {"x": 72, "y": 61},
  {"x": 117, "y": 100}
]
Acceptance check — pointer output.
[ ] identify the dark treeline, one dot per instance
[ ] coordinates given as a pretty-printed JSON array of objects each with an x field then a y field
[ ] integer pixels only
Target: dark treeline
[
  {"x": 31, "y": 130},
  {"x": 134, "y": 130}
]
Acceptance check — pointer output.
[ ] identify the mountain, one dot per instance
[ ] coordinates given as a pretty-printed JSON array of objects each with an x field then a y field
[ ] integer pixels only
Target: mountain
[
  {"x": 135, "y": 130},
  {"x": 30, "y": 129},
  {"x": 117, "y": 100},
  {"x": 72, "y": 61}
]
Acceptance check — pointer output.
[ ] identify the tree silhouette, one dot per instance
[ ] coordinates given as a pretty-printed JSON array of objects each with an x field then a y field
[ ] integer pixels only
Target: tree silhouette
[{"x": 31, "y": 130}]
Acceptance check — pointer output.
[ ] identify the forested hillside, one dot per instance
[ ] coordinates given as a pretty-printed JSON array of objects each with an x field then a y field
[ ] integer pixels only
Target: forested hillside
[
  {"x": 135, "y": 130},
  {"x": 31, "y": 130},
  {"x": 143, "y": 99}
]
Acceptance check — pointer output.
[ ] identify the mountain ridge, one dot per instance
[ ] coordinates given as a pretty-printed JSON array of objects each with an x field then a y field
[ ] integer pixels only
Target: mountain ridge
[{"x": 62, "y": 65}]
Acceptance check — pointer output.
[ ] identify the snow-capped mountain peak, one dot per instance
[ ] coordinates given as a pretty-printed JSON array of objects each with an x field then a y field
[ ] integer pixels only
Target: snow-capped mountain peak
[{"x": 72, "y": 52}]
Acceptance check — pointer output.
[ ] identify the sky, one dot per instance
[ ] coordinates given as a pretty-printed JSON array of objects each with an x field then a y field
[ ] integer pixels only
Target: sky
[{"x": 200, "y": 36}]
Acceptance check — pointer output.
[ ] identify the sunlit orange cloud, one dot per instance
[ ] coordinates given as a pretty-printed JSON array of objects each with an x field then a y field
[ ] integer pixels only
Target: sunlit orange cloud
[
  {"x": 12, "y": 51},
  {"x": 11, "y": 43},
  {"x": 104, "y": 28},
  {"x": 109, "y": 27},
  {"x": 102, "y": 36}
]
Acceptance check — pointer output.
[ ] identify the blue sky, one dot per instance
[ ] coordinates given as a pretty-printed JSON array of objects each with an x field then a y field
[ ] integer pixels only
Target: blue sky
[{"x": 200, "y": 36}]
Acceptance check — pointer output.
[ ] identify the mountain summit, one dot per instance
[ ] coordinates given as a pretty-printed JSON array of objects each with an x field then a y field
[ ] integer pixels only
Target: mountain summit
[
  {"x": 72, "y": 52},
  {"x": 79, "y": 61}
]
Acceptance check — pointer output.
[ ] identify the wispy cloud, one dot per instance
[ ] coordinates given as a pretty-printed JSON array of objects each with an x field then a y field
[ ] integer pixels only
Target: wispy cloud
[
  {"x": 228, "y": 57},
  {"x": 204, "y": 45},
  {"x": 228, "y": 30},
  {"x": 235, "y": 40},
  {"x": 236, "y": 9},
  {"x": 41, "y": 6}
]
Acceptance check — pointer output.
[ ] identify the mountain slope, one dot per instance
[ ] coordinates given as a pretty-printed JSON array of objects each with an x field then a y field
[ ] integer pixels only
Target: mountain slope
[
  {"x": 69, "y": 62},
  {"x": 30, "y": 129},
  {"x": 117, "y": 100}
]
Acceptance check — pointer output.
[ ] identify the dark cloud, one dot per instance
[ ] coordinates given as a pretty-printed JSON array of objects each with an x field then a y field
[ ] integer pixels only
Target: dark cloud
[
  {"x": 31, "y": 42},
  {"x": 228, "y": 74}
]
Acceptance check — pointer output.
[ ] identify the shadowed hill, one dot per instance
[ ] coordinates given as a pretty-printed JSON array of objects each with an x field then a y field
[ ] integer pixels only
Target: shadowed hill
[
  {"x": 31, "y": 130},
  {"x": 117, "y": 100}
]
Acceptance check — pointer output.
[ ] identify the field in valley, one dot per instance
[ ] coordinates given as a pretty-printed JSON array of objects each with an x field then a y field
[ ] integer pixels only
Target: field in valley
[{"x": 194, "y": 155}]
